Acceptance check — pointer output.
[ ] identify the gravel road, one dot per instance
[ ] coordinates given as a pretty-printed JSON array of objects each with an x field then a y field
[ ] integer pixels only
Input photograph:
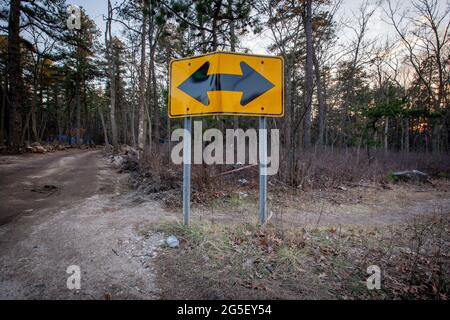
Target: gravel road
[{"x": 72, "y": 209}]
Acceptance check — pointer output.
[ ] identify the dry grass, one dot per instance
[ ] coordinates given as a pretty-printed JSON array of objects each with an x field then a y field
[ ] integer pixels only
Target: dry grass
[
  {"x": 323, "y": 169},
  {"x": 328, "y": 168},
  {"x": 246, "y": 262}
]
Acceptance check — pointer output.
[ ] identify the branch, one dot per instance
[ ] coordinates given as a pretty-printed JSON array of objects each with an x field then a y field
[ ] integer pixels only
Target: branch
[{"x": 182, "y": 18}]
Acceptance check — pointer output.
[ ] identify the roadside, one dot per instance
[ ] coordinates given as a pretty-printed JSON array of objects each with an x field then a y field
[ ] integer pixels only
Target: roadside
[
  {"x": 317, "y": 244},
  {"x": 89, "y": 218},
  {"x": 215, "y": 261}
]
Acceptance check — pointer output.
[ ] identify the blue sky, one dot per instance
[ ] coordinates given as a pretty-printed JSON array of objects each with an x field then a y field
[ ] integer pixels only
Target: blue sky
[
  {"x": 94, "y": 8},
  {"x": 97, "y": 8}
]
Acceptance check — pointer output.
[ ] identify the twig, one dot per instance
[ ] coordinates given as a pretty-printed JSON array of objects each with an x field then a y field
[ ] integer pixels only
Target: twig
[{"x": 239, "y": 169}]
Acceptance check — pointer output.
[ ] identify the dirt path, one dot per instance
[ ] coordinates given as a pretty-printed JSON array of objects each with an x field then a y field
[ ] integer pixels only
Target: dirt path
[
  {"x": 368, "y": 205},
  {"x": 71, "y": 208}
]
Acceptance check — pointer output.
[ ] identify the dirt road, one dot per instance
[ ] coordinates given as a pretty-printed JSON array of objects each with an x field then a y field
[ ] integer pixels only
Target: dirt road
[{"x": 71, "y": 209}]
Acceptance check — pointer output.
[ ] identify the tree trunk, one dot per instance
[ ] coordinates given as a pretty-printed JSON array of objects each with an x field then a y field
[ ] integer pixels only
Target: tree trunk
[
  {"x": 149, "y": 129},
  {"x": 43, "y": 126},
  {"x": 15, "y": 92},
  {"x": 132, "y": 125},
  {"x": 112, "y": 73},
  {"x": 156, "y": 113},
  {"x": 4, "y": 89},
  {"x": 435, "y": 137},
  {"x": 33, "y": 112},
  {"x": 287, "y": 121},
  {"x": 141, "y": 112},
  {"x": 202, "y": 34},
  {"x": 215, "y": 21},
  {"x": 407, "y": 135},
  {"x": 57, "y": 111},
  {"x": 124, "y": 123},
  {"x": 152, "y": 87},
  {"x": 321, "y": 98},
  {"x": 232, "y": 46},
  {"x": 386, "y": 135},
  {"x": 105, "y": 130},
  {"x": 133, "y": 105},
  {"x": 26, "y": 128},
  {"x": 309, "y": 81},
  {"x": 113, "y": 110},
  {"x": 78, "y": 105}
]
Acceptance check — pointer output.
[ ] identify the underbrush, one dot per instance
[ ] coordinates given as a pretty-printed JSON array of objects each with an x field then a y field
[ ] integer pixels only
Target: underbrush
[
  {"x": 327, "y": 168},
  {"x": 322, "y": 169},
  {"x": 250, "y": 262}
]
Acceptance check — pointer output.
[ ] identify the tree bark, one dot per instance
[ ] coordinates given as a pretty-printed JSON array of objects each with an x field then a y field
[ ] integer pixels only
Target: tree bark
[
  {"x": 112, "y": 72},
  {"x": 289, "y": 141},
  {"x": 215, "y": 21},
  {"x": 78, "y": 104},
  {"x": 155, "y": 105},
  {"x": 309, "y": 81},
  {"x": 34, "y": 100},
  {"x": 321, "y": 99},
  {"x": 15, "y": 92},
  {"x": 152, "y": 85},
  {"x": 141, "y": 111},
  {"x": 386, "y": 135},
  {"x": 4, "y": 90},
  {"x": 105, "y": 130},
  {"x": 232, "y": 46},
  {"x": 133, "y": 106}
]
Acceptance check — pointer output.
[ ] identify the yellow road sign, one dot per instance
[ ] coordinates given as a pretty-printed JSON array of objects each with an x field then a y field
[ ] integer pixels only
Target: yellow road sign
[{"x": 222, "y": 83}]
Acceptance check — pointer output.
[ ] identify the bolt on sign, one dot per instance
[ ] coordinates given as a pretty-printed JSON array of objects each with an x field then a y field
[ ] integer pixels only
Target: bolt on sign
[{"x": 222, "y": 83}]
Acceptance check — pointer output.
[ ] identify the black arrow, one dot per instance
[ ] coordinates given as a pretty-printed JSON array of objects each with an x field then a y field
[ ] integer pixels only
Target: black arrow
[{"x": 250, "y": 83}]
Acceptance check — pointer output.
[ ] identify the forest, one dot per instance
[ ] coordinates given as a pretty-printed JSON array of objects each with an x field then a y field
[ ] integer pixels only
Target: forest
[{"x": 346, "y": 88}]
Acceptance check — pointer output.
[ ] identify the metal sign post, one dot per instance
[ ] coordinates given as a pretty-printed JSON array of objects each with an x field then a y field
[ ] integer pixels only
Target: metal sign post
[
  {"x": 262, "y": 169},
  {"x": 187, "y": 169}
]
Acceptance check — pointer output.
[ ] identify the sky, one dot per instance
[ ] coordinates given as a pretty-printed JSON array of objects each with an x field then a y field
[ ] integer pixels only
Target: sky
[{"x": 257, "y": 44}]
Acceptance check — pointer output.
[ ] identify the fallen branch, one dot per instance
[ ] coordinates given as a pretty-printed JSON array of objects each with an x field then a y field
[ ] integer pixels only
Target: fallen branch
[{"x": 238, "y": 169}]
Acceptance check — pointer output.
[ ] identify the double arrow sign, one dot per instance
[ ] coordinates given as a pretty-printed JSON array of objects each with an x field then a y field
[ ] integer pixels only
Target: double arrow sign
[
  {"x": 260, "y": 82},
  {"x": 251, "y": 83}
]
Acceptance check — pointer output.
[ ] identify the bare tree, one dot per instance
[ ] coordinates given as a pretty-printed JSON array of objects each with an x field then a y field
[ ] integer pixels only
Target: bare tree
[
  {"x": 424, "y": 33},
  {"x": 309, "y": 80},
  {"x": 359, "y": 47},
  {"x": 15, "y": 92},
  {"x": 323, "y": 52},
  {"x": 286, "y": 31},
  {"x": 141, "y": 109},
  {"x": 112, "y": 73}
]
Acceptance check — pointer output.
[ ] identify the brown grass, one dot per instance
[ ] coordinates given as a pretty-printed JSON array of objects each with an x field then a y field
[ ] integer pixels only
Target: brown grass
[
  {"x": 320, "y": 169},
  {"x": 328, "y": 168},
  {"x": 248, "y": 262}
]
